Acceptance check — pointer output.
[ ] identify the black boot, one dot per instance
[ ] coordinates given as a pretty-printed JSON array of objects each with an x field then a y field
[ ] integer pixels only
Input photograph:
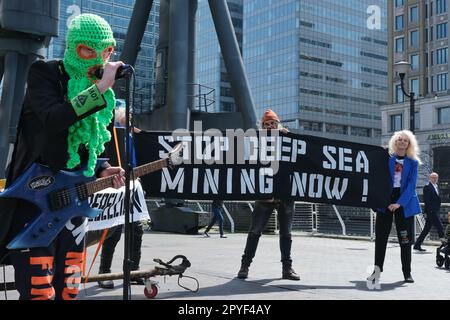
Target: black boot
[
  {"x": 249, "y": 254},
  {"x": 243, "y": 271},
  {"x": 105, "y": 267},
  {"x": 285, "y": 248},
  {"x": 408, "y": 278},
  {"x": 105, "y": 284},
  {"x": 289, "y": 273}
]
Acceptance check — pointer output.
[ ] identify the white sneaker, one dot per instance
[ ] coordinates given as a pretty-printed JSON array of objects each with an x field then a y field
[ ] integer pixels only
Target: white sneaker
[
  {"x": 372, "y": 277},
  {"x": 376, "y": 274},
  {"x": 373, "y": 281}
]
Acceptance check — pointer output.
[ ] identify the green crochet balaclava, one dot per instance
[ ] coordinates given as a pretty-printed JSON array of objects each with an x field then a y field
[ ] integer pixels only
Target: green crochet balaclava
[{"x": 94, "y": 32}]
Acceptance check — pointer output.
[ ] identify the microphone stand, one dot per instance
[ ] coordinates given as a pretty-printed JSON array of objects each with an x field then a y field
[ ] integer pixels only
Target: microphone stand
[{"x": 128, "y": 168}]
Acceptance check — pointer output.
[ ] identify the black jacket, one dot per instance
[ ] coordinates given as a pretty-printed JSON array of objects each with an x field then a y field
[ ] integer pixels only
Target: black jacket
[
  {"x": 431, "y": 199},
  {"x": 41, "y": 137}
]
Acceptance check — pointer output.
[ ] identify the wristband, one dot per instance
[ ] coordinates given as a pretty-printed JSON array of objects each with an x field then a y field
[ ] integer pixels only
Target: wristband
[{"x": 87, "y": 100}]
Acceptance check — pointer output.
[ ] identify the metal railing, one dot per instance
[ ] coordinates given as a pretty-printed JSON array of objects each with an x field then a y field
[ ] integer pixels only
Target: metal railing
[
  {"x": 203, "y": 96},
  {"x": 156, "y": 97}
]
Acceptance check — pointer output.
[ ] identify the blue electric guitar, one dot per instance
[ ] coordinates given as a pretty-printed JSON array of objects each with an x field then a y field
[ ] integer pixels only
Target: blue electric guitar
[{"x": 62, "y": 196}]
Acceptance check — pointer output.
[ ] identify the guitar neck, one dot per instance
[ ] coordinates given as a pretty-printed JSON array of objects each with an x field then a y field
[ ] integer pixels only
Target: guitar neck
[
  {"x": 107, "y": 182},
  {"x": 149, "y": 168}
]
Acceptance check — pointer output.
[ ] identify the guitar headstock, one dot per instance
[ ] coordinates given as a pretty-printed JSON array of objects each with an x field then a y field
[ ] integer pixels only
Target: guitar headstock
[{"x": 176, "y": 156}]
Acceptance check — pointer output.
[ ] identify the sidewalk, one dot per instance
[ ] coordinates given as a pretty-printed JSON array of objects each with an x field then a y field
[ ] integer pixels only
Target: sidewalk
[{"x": 329, "y": 269}]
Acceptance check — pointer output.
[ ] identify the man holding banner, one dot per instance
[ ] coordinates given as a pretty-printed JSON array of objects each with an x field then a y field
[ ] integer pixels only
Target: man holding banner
[{"x": 261, "y": 215}]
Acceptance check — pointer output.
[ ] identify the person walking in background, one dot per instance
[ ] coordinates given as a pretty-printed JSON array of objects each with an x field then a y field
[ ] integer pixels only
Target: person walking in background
[
  {"x": 432, "y": 202},
  {"x": 403, "y": 167},
  {"x": 218, "y": 217}
]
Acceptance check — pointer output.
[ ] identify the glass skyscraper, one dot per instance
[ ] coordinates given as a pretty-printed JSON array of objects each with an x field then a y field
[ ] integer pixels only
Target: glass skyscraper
[
  {"x": 321, "y": 65},
  {"x": 118, "y": 14},
  {"x": 211, "y": 71}
]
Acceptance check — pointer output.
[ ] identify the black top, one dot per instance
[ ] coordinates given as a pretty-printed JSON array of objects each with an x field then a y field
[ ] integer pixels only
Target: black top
[
  {"x": 41, "y": 137},
  {"x": 46, "y": 117},
  {"x": 431, "y": 199}
]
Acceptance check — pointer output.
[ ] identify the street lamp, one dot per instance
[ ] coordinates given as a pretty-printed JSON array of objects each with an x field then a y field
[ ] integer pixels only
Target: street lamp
[{"x": 402, "y": 67}]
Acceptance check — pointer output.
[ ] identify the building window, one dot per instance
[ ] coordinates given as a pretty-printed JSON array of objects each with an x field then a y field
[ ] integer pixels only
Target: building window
[
  {"x": 444, "y": 115},
  {"x": 414, "y": 14},
  {"x": 414, "y": 38},
  {"x": 399, "y": 96},
  {"x": 414, "y": 86},
  {"x": 414, "y": 60},
  {"x": 441, "y": 6},
  {"x": 310, "y": 125},
  {"x": 376, "y": 133},
  {"x": 441, "y": 82},
  {"x": 442, "y": 55},
  {"x": 441, "y": 30},
  {"x": 399, "y": 3},
  {"x": 399, "y": 44},
  {"x": 336, "y": 128},
  {"x": 399, "y": 22},
  {"x": 361, "y": 132},
  {"x": 396, "y": 122}
]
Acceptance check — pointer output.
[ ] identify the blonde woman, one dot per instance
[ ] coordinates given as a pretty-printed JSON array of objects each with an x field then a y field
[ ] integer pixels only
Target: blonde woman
[{"x": 403, "y": 166}]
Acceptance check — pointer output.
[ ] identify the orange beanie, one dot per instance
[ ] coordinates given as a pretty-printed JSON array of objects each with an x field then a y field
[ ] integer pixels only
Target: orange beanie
[{"x": 270, "y": 115}]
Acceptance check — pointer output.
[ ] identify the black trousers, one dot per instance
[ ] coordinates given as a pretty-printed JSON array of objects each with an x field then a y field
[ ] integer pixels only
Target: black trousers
[
  {"x": 431, "y": 220},
  {"x": 260, "y": 217},
  {"x": 405, "y": 235},
  {"x": 53, "y": 272},
  {"x": 109, "y": 246}
]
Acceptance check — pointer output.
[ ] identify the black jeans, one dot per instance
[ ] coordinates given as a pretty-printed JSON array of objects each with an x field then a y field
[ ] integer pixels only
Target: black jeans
[
  {"x": 260, "y": 217},
  {"x": 405, "y": 235},
  {"x": 109, "y": 246},
  {"x": 431, "y": 220}
]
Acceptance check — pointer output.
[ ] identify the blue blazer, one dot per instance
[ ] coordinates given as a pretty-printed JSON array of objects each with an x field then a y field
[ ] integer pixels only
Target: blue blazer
[{"x": 408, "y": 196}]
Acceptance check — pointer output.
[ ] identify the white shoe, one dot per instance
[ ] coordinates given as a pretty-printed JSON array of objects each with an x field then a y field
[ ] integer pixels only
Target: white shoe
[
  {"x": 372, "y": 277},
  {"x": 376, "y": 274}
]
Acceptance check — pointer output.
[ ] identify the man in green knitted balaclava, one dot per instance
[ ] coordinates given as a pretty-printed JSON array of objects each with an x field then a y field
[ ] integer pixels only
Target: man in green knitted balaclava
[
  {"x": 89, "y": 44},
  {"x": 62, "y": 129}
]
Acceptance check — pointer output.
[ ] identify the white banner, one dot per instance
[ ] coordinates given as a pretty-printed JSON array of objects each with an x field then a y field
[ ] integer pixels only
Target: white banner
[{"x": 111, "y": 202}]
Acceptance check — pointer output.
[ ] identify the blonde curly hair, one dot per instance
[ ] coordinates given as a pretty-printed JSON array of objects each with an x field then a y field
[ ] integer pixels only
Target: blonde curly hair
[{"x": 413, "y": 150}]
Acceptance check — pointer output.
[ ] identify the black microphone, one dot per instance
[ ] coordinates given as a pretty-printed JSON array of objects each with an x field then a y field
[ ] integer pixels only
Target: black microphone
[{"x": 121, "y": 72}]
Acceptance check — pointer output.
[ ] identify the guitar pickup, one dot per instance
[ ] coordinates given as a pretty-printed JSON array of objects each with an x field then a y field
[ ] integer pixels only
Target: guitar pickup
[{"x": 59, "y": 199}]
